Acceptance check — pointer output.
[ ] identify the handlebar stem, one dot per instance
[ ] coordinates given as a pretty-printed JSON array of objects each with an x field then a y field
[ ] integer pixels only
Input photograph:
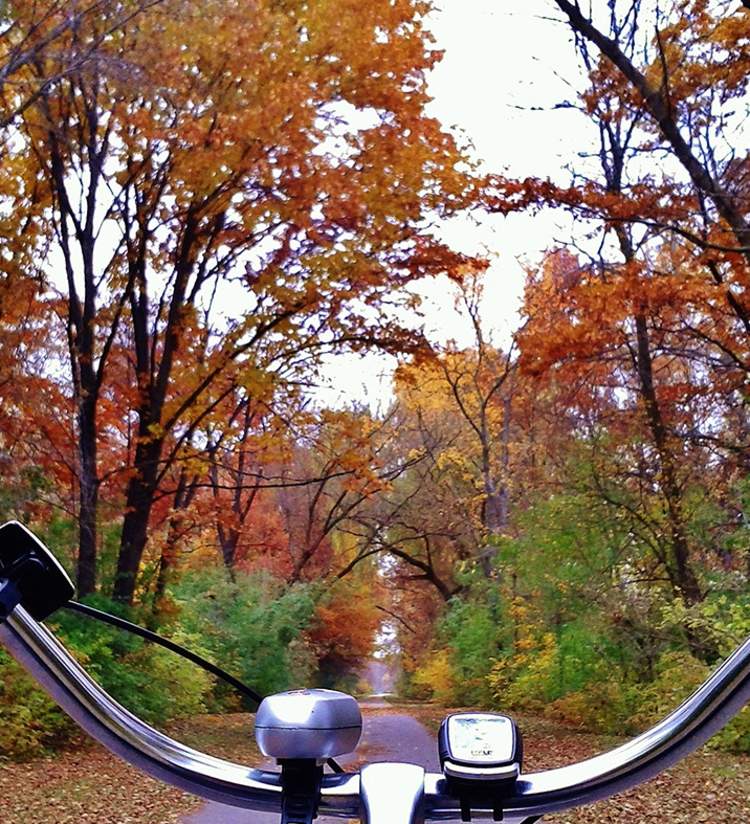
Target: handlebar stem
[{"x": 392, "y": 792}]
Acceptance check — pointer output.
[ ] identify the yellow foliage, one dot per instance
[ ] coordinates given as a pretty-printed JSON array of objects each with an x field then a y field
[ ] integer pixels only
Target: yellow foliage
[
  {"x": 519, "y": 681},
  {"x": 435, "y": 678},
  {"x": 604, "y": 706}
]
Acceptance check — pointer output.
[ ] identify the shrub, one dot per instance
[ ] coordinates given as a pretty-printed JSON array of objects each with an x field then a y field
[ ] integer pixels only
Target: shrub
[
  {"x": 342, "y": 633},
  {"x": 678, "y": 675},
  {"x": 523, "y": 681},
  {"x": 469, "y": 633},
  {"x": 150, "y": 681},
  {"x": 252, "y": 626},
  {"x": 566, "y": 675},
  {"x": 735, "y": 737},
  {"x": 435, "y": 679},
  {"x": 603, "y": 706},
  {"x": 31, "y": 721}
]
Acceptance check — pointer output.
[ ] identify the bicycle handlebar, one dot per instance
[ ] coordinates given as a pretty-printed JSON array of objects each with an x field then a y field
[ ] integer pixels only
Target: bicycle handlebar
[{"x": 722, "y": 695}]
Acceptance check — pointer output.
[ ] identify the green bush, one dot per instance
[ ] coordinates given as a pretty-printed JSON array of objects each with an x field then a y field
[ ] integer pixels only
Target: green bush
[
  {"x": 152, "y": 682},
  {"x": 252, "y": 626},
  {"x": 31, "y": 721},
  {"x": 616, "y": 706},
  {"x": 584, "y": 655},
  {"x": 470, "y": 633},
  {"x": 602, "y": 706},
  {"x": 526, "y": 679},
  {"x": 678, "y": 675}
]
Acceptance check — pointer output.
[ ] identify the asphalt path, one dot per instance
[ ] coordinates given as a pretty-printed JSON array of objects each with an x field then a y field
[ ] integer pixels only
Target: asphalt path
[{"x": 386, "y": 736}]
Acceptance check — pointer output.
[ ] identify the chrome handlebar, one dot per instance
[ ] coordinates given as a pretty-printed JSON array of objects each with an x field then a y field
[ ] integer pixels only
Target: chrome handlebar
[{"x": 350, "y": 795}]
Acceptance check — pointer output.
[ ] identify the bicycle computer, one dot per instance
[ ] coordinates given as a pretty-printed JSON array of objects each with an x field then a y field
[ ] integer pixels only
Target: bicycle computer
[{"x": 482, "y": 747}]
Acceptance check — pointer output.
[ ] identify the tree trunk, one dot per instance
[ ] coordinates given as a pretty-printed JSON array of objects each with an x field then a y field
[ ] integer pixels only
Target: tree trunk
[
  {"x": 139, "y": 500},
  {"x": 228, "y": 539},
  {"x": 170, "y": 553},
  {"x": 88, "y": 503},
  {"x": 495, "y": 513},
  {"x": 88, "y": 496},
  {"x": 682, "y": 573}
]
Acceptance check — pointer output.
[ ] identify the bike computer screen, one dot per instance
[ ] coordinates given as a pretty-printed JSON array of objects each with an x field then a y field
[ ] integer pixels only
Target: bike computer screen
[{"x": 481, "y": 738}]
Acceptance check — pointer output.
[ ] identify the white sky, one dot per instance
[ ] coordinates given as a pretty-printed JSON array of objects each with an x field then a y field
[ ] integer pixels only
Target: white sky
[{"x": 507, "y": 63}]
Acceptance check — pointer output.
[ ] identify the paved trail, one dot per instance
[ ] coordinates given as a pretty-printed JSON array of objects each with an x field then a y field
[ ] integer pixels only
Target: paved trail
[{"x": 385, "y": 737}]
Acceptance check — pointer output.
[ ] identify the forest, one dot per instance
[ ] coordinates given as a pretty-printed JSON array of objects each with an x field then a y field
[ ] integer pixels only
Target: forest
[{"x": 203, "y": 203}]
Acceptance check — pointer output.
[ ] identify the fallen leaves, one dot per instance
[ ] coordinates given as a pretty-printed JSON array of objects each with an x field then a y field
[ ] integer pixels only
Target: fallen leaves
[{"x": 88, "y": 785}]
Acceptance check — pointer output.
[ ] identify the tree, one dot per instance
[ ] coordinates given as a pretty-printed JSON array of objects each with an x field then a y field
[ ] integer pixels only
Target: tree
[
  {"x": 452, "y": 499},
  {"x": 473, "y": 387},
  {"x": 598, "y": 338},
  {"x": 288, "y": 170},
  {"x": 680, "y": 87},
  {"x": 480, "y": 384},
  {"x": 391, "y": 529},
  {"x": 648, "y": 320},
  {"x": 239, "y": 464}
]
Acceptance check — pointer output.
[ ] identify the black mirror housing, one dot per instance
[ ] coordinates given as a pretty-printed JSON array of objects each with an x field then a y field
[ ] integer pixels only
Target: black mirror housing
[{"x": 30, "y": 573}]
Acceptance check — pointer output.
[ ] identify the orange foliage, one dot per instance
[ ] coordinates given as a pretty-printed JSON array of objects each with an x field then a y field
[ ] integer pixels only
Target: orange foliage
[{"x": 345, "y": 625}]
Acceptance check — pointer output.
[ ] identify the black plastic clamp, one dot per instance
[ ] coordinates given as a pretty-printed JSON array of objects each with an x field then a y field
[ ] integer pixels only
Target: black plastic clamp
[{"x": 300, "y": 785}]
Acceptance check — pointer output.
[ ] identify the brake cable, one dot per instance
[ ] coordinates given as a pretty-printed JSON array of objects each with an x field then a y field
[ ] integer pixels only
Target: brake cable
[
  {"x": 149, "y": 635},
  {"x": 155, "y": 638}
]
